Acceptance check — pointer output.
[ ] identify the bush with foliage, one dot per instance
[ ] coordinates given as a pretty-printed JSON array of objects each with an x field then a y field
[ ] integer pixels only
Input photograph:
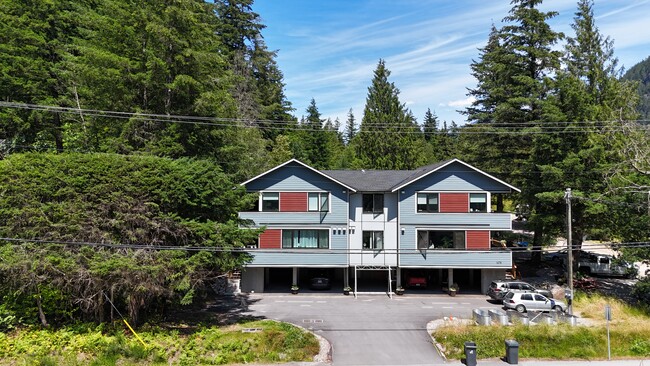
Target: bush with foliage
[{"x": 67, "y": 206}]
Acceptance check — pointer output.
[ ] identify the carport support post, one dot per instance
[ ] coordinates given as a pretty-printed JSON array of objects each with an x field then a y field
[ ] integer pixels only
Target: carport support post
[
  {"x": 398, "y": 277},
  {"x": 295, "y": 276},
  {"x": 450, "y": 277}
]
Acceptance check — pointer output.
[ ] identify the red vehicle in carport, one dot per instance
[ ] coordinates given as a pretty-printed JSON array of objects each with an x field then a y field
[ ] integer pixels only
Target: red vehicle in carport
[{"x": 416, "y": 280}]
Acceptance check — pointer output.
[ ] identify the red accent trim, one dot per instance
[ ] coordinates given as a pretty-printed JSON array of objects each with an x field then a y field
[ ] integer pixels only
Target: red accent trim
[
  {"x": 271, "y": 239},
  {"x": 478, "y": 240},
  {"x": 454, "y": 202},
  {"x": 293, "y": 201}
]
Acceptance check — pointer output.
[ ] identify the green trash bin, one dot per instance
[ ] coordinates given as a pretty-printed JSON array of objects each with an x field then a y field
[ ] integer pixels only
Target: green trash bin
[
  {"x": 470, "y": 353},
  {"x": 512, "y": 352}
]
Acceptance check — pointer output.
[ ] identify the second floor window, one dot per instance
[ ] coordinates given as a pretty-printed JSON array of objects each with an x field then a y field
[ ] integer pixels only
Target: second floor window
[
  {"x": 373, "y": 203},
  {"x": 271, "y": 201},
  {"x": 433, "y": 239},
  {"x": 428, "y": 202},
  {"x": 373, "y": 240},
  {"x": 318, "y": 201},
  {"x": 477, "y": 202},
  {"x": 305, "y": 239}
]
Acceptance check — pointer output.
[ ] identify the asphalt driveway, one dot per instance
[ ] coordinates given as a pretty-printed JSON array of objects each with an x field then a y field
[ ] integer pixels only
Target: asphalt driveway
[{"x": 371, "y": 329}]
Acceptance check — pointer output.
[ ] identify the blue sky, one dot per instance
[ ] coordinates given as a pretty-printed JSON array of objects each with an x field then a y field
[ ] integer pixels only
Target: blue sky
[{"x": 328, "y": 49}]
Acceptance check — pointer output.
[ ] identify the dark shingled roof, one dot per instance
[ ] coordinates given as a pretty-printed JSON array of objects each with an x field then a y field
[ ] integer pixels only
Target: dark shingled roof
[
  {"x": 379, "y": 180},
  {"x": 370, "y": 180}
]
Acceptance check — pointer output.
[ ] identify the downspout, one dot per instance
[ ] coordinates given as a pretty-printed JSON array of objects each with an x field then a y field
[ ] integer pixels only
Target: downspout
[
  {"x": 346, "y": 280},
  {"x": 398, "y": 270}
]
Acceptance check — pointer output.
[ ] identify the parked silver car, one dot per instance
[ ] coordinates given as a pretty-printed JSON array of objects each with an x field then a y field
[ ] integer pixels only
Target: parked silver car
[
  {"x": 523, "y": 302},
  {"x": 498, "y": 289}
]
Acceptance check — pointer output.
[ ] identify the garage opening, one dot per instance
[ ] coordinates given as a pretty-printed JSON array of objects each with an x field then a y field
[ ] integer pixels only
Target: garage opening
[
  {"x": 279, "y": 280},
  {"x": 373, "y": 279}
]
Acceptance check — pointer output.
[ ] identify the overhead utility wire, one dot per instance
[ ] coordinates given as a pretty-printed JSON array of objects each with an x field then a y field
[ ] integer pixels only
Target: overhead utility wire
[
  {"x": 311, "y": 251},
  {"x": 546, "y": 127}
]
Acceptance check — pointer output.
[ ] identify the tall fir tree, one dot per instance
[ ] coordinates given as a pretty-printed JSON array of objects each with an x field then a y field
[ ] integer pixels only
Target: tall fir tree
[
  {"x": 389, "y": 137},
  {"x": 350, "y": 128}
]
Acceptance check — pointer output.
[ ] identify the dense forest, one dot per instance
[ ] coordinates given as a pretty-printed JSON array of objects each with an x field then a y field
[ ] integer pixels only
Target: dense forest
[
  {"x": 641, "y": 74},
  {"x": 125, "y": 125}
]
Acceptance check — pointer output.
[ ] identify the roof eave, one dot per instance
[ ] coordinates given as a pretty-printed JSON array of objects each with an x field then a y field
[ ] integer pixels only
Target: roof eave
[
  {"x": 294, "y": 160},
  {"x": 512, "y": 188}
]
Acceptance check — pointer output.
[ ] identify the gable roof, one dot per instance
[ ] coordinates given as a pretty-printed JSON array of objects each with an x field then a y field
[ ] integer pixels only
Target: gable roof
[
  {"x": 370, "y": 180},
  {"x": 424, "y": 171},
  {"x": 304, "y": 165},
  {"x": 380, "y": 180}
]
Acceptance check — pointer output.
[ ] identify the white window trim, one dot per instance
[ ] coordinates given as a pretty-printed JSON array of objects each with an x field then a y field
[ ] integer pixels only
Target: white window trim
[
  {"x": 261, "y": 201},
  {"x": 418, "y": 229},
  {"x": 488, "y": 202},
  {"x": 329, "y": 234},
  {"x": 383, "y": 241},
  {"x": 329, "y": 201},
  {"x": 416, "y": 203}
]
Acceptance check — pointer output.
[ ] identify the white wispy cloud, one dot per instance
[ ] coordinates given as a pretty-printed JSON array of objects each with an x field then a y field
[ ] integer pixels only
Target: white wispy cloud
[{"x": 428, "y": 45}]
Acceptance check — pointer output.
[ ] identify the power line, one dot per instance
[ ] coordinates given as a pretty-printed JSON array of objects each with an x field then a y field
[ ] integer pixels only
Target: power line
[
  {"x": 556, "y": 127},
  {"x": 307, "y": 251}
]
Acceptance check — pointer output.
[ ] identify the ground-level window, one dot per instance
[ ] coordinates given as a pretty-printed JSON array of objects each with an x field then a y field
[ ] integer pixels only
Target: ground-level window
[
  {"x": 478, "y": 202},
  {"x": 373, "y": 240},
  {"x": 428, "y": 202},
  {"x": 318, "y": 201},
  {"x": 373, "y": 203},
  {"x": 305, "y": 239},
  {"x": 433, "y": 239},
  {"x": 271, "y": 201}
]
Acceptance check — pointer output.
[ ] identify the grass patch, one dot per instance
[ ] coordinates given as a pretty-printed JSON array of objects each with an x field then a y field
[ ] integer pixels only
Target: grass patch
[
  {"x": 274, "y": 342},
  {"x": 629, "y": 332}
]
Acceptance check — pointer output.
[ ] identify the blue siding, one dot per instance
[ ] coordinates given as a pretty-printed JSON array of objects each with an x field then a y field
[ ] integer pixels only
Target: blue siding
[
  {"x": 296, "y": 178},
  {"x": 453, "y": 178},
  {"x": 456, "y": 259},
  {"x": 470, "y": 221},
  {"x": 336, "y": 256},
  {"x": 293, "y": 177},
  {"x": 456, "y": 177},
  {"x": 272, "y": 219}
]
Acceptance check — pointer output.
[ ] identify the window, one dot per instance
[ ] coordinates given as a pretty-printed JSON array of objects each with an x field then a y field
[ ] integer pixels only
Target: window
[
  {"x": 527, "y": 297},
  {"x": 427, "y": 202},
  {"x": 373, "y": 240},
  {"x": 429, "y": 239},
  {"x": 373, "y": 203},
  {"x": 478, "y": 202},
  {"x": 271, "y": 201},
  {"x": 305, "y": 239},
  {"x": 319, "y": 202}
]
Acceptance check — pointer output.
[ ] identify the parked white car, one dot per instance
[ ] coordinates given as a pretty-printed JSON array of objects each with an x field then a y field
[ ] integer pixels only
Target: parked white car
[{"x": 523, "y": 302}]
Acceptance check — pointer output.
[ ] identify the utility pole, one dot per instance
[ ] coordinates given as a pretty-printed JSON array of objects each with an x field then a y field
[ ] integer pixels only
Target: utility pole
[{"x": 567, "y": 197}]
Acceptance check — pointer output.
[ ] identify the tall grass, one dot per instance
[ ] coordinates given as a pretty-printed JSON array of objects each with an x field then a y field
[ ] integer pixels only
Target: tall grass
[
  {"x": 274, "y": 342},
  {"x": 629, "y": 332}
]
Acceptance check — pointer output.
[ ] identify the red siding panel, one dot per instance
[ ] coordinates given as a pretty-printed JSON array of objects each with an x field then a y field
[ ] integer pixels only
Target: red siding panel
[
  {"x": 293, "y": 201},
  {"x": 271, "y": 239},
  {"x": 454, "y": 202},
  {"x": 478, "y": 240}
]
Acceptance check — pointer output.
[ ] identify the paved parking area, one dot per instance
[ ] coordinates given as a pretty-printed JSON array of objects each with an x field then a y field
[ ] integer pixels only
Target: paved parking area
[{"x": 371, "y": 329}]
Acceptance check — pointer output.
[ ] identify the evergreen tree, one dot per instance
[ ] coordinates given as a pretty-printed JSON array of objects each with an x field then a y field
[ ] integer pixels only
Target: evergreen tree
[
  {"x": 350, "y": 128},
  {"x": 640, "y": 73},
  {"x": 576, "y": 153},
  {"x": 514, "y": 95},
  {"x": 314, "y": 138},
  {"x": 389, "y": 137},
  {"x": 430, "y": 126}
]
